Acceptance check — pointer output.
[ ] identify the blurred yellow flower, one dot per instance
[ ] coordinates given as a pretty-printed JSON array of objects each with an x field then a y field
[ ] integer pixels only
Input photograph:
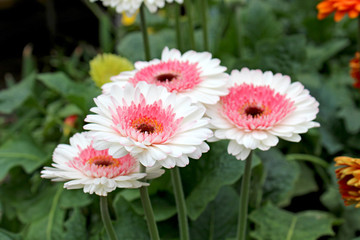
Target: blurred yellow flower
[
  {"x": 128, "y": 20},
  {"x": 106, "y": 65},
  {"x": 349, "y": 179}
]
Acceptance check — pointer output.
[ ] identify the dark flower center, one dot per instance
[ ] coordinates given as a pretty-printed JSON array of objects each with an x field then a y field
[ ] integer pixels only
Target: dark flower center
[
  {"x": 253, "y": 111},
  {"x": 103, "y": 162},
  {"x": 166, "y": 77},
  {"x": 143, "y": 127}
]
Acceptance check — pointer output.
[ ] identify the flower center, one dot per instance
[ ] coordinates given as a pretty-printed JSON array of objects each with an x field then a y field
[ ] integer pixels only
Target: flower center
[
  {"x": 174, "y": 75},
  {"x": 143, "y": 128},
  {"x": 166, "y": 77},
  {"x": 103, "y": 161},
  {"x": 147, "y": 125},
  {"x": 254, "y": 111},
  {"x": 255, "y": 107}
]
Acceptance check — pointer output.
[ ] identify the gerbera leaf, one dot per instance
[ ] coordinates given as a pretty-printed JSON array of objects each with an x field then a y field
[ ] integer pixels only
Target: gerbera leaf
[
  {"x": 273, "y": 223},
  {"x": 75, "y": 226},
  {"x": 128, "y": 224},
  {"x": 281, "y": 176},
  {"x": 30, "y": 156},
  {"x": 14, "y": 97},
  {"x": 220, "y": 169},
  {"x": 219, "y": 219}
]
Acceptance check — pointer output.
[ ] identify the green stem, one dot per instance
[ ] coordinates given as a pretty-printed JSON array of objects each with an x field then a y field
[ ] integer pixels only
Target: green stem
[
  {"x": 190, "y": 21},
  {"x": 180, "y": 203},
  {"x": 149, "y": 214},
  {"x": 177, "y": 25},
  {"x": 244, "y": 200},
  {"x": 238, "y": 30},
  {"x": 144, "y": 33},
  {"x": 204, "y": 8},
  {"x": 106, "y": 218},
  {"x": 54, "y": 206}
]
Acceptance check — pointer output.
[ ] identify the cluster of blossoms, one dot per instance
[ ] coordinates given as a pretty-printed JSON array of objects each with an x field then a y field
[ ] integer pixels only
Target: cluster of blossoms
[
  {"x": 131, "y": 6},
  {"x": 161, "y": 113}
]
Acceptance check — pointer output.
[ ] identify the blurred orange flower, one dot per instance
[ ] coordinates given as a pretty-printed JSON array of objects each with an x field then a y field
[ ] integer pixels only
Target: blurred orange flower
[
  {"x": 355, "y": 69},
  {"x": 340, "y": 7},
  {"x": 349, "y": 179}
]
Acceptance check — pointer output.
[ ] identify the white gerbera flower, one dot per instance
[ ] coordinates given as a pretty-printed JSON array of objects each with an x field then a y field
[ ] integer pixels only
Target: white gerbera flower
[
  {"x": 261, "y": 108},
  {"x": 151, "y": 123},
  {"x": 96, "y": 171},
  {"x": 131, "y": 6},
  {"x": 196, "y": 75}
]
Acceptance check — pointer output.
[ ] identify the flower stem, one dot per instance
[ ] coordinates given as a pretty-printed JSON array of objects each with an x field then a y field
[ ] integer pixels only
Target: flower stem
[
  {"x": 180, "y": 203},
  {"x": 204, "y": 8},
  {"x": 106, "y": 218},
  {"x": 144, "y": 33},
  {"x": 244, "y": 200},
  {"x": 190, "y": 21},
  {"x": 238, "y": 27},
  {"x": 177, "y": 25},
  {"x": 149, "y": 214}
]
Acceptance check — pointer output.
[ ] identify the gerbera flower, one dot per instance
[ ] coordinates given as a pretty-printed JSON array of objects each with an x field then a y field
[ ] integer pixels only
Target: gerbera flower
[
  {"x": 106, "y": 65},
  {"x": 349, "y": 179},
  {"x": 150, "y": 123},
  {"x": 131, "y": 6},
  {"x": 355, "y": 69},
  {"x": 259, "y": 109},
  {"x": 96, "y": 171},
  {"x": 340, "y": 7},
  {"x": 196, "y": 75}
]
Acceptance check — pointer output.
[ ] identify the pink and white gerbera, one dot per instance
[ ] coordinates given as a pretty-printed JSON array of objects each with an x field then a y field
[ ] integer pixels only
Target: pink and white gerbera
[
  {"x": 261, "y": 108},
  {"x": 95, "y": 170},
  {"x": 131, "y": 6},
  {"x": 150, "y": 123},
  {"x": 196, "y": 75}
]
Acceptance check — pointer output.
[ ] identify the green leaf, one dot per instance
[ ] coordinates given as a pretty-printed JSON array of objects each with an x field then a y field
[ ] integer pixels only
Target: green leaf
[
  {"x": 273, "y": 223},
  {"x": 306, "y": 182},
  {"x": 309, "y": 158},
  {"x": 75, "y": 198},
  {"x": 43, "y": 215},
  {"x": 80, "y": 94},
  {"x": 330, "y": 141},
  {"x": 286, "y": 55},
  {"x": 6, "y": 235},
  {"x": 219, "y": 219},
  {"x": 14, "y": 97},
  {"x": 76, "y": 226},
  {"x": 128, "y": 224},
  {"x": 164, "y": 206},
  {"x": 259, "y": 22},
  {"x": 21, "y": 151},
  {"x": 318, "y": 55},
  {"x": 131, "y": 46},
  {"x": 351, "y": 116},
  {"x": 350, "y": 226},
  {"x": 220, "y": 169},
  {"x": 281, "y": 176}
]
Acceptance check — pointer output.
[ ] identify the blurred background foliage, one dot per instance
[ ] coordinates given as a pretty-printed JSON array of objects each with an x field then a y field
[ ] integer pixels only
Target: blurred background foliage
[{"x": 294, "y": 193}]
